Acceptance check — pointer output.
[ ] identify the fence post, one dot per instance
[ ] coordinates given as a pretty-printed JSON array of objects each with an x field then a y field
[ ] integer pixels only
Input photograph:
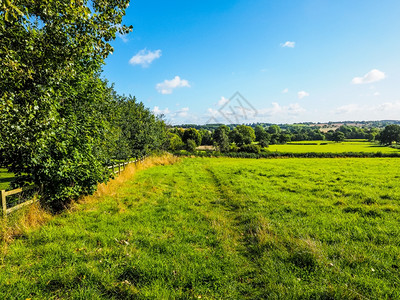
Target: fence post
[
  {"x": 119, "y": 169},
  {"x": 3, "y": 202},
  {"x": 113, "y": 169}
]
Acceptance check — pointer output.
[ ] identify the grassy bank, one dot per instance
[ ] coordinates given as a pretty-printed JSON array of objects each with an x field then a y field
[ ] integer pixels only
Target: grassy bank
[
  {"x": 221, "y": 228},
  {"x": 5, "y": 179}
]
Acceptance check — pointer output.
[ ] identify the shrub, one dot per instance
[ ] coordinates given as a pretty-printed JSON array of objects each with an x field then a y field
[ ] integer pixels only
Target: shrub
[
  {"x": 252, "y": 148},
  {"x": 191, "y": 145}
]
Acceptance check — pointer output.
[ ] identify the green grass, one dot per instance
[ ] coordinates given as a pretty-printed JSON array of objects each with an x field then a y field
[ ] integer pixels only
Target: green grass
[
  {"x": 332, "y": 147},
  {"x": 223, "y": 229},
  {"x": 5, "y": 179}
]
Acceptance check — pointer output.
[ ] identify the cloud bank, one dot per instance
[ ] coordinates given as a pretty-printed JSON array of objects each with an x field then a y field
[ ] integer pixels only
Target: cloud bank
[
  {"x": 372, "y": 76},
  {"x": 167, "y": 86}
]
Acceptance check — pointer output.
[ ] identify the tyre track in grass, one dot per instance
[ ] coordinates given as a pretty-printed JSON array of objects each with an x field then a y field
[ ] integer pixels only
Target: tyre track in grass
[{"x": 243, "y": 227}]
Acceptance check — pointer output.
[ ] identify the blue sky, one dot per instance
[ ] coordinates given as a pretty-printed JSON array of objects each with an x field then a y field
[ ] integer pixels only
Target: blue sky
[{"x": 292, "y": 61}]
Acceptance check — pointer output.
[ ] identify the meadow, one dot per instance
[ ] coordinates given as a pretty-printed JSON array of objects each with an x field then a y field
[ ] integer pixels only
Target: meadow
[
  {"x": 331, "y": 147},
  {"x": 220, "y": 228},
  {"x": 5, "y": 179}
]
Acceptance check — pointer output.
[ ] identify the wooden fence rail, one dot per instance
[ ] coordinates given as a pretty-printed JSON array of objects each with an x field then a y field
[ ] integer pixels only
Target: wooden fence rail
[
  {"x": 5, "y": 193},
  {"x": 116, "y": 169}
]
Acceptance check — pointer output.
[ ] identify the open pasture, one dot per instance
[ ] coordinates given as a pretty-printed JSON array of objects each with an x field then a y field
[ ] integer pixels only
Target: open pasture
[
  {"x": 222, "y": 228},
  {"x": 332, "y": 147}
]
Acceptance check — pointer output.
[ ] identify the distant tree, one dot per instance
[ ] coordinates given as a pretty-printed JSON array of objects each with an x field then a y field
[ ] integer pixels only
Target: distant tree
[
  {"x": 206, "y": 137},
  {"x": 178, "y": 131},
  {"x": 284, "y": 138},
  {"x": 372, "y": 134},
  {"x": 261, "y": 134},
  {"x": 243, "y": 135},
  {"x": 329, "y": 135},
  {"x": 274, "y": 129},
  {"x": 192, "y": 134},
  {"x": 174, "y": 141},
  {"x": 318, "y": 135},
  {"x": 338, "y": 136},
  {"x": 390, "y": 134},
  {"x": 250, "y": 148},
  {"x": 190, "y": 145},
  {"x": 264, "y": 143},
  {"x": 221, "y": 139}
]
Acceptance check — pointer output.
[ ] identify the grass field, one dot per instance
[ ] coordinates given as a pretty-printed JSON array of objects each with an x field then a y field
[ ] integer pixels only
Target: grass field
[
  {"x": 327, "y": 146},
  {"x": 222, "y": 228},
  {"x": 5, "y": 179}
]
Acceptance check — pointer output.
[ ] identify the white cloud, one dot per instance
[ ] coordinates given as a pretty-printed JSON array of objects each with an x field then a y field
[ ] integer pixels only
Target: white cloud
[
  {"x": 293, "y": 109},
  {"x": 386, "y": 110},
  {"x": 168, "y": 86},
  {"x": 222, "y": 101},
  {"x": 288, "y": 44},
  {"x": 377, "y": 94},
  {"x": 302, "y": 94},
  {"x": 372, "y": 76},
  {"x": 345, "y": 109},
  {"x": 158, "y": 111},
  {"x": 285, "y": 91},
  {"x": 145, "y": 57},
  {"x": 182, "y": 112},
  {"x": 393, "y": 107}
]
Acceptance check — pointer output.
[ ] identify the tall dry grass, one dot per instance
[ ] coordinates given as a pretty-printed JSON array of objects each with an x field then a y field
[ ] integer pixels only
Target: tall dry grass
[
  {"x": 33, "y": 216},
  {"x": 111, "y": 187},
  {"x": 21, "y": 222}
]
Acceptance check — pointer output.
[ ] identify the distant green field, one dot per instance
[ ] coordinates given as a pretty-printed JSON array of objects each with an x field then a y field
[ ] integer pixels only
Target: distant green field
[
  {"x": 328, "y": 146},
  {"x": 223, "y": 228},
  {"x": 5, "y": 179}
]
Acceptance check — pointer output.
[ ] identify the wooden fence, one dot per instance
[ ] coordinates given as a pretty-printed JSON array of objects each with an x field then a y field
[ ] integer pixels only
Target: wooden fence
[{"x": 116, "y": 169}]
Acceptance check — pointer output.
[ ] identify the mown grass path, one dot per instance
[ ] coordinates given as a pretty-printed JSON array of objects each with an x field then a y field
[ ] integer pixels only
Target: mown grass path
[{"x": 222, "y": 229}]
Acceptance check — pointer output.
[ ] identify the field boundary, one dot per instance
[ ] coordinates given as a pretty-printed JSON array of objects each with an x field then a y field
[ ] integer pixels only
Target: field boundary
[
  {"x": 287, "y": 154},
  {"x": 116, "y": 169}
]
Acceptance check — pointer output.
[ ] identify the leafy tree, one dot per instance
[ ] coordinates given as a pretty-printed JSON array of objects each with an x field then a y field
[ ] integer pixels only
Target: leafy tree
[
  {"x": 263, "y": 143},
  {"x": 191, "y": 145},
  {"x": 261, "y": 134},
  {"x": 192, "y": 134},
  {"x": 250, "y": 148},
  {"x": 338, "y": 136},
  {"x": 390, "y": 134},
  {"x": 178, "y": 131},
  {"x": 221, "y": 139},
  {"x": 51, "y": 97},
  {"x": 174, "y": 141},
  {"x": 206, "y": 137},
  {"x": 243, "y": 135},
  {"x": 284, "y": 138},
  {"x": 140, "y": 131},
  {"x": 274, "y": 129}
]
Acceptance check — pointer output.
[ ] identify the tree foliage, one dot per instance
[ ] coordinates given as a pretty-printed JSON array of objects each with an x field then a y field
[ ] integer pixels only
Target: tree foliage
[
  {"x": 59, "y": 122},
  {"x": 243, "y": 135},
  {"x": 221, "y": 139},
  {"x": 390, "y": 134},
  {"x": 192, "y": 134}
]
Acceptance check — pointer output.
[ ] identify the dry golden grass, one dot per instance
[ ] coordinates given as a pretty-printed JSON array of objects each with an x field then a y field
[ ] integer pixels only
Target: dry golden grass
[
  {"x": 110, "y": 188},
  {"x": 31, "y": 217},
  {"x": 21, "y": 222}
]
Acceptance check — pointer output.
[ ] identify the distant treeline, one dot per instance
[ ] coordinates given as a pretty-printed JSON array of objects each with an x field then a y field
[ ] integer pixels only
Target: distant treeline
[
  {"x": 362, "y": 124},
  {"x": 267, "y": 154},
  {"x": 242, "y": 138}
]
